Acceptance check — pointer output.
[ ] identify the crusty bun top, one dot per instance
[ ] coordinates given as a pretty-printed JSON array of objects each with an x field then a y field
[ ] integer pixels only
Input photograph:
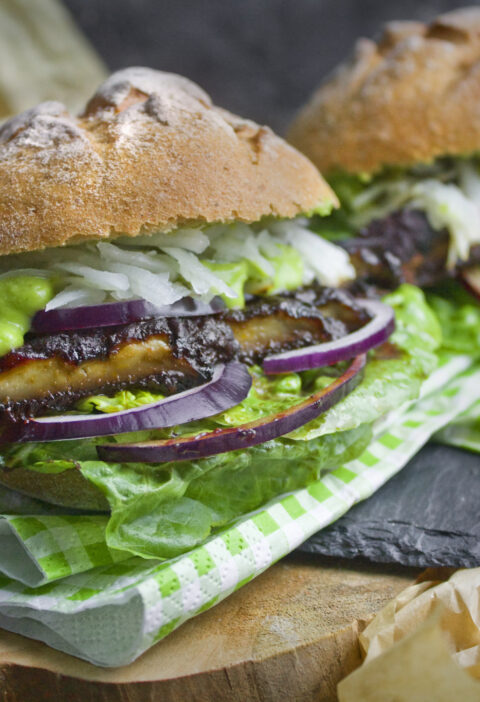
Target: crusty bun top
[
  {"x": 413, "y": 96},
  {"x": 149, "y": 153}
]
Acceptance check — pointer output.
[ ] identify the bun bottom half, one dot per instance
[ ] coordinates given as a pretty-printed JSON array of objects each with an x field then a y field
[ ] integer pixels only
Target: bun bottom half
[{"x": 68, "y": 489}]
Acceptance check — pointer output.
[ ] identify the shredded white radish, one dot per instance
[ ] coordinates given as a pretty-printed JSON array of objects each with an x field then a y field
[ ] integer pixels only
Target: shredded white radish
[
  {"x": 76, "y": 297},
  {"x": 199, "y": 276},
  {"x": 163, "y": 268},
  {"x": 322, "y": 260},
  {"x": 448, "y": 193},
  {"x": 238, "y": 242},
  {"x": 190, "y": 239},
  {"x": 99, "y": 278},
  {"x": 447, "y": 206}
]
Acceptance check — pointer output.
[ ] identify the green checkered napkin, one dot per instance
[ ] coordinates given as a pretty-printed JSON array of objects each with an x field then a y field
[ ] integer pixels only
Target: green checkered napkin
[
  {"x": 464, "y": 431},
  {"x": 108, "y": 608}
]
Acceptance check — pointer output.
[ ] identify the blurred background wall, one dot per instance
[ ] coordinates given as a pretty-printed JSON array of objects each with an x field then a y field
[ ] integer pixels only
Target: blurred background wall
[{"x": 260, "y": 58}]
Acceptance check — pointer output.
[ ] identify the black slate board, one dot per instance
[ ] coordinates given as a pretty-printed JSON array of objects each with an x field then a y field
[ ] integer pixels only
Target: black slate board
[{"x": 427, "y": 515}]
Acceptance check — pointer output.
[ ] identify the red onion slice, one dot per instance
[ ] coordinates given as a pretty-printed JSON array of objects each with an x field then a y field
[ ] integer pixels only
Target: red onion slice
[
  {"x": 229, "y": 386},
  {"x": 230, "y": 439},
  {"x": 470, "y": 277},
  {"x": 373, "y": 334},
  {"x": 112, "y": 313}
]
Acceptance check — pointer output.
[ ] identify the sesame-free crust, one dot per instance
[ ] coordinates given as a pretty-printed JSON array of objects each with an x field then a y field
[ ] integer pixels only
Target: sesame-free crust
[
  {"x": 409, "y": 98},
  {"x": 149, "y": 153}
]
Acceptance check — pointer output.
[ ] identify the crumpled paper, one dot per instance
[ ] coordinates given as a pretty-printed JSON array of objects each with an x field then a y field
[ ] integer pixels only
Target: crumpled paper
[{"x": 424, "y": 645}]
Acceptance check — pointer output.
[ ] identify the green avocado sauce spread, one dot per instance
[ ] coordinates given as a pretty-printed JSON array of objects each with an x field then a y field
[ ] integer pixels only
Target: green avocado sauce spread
[{"x": 20, "y": 297}]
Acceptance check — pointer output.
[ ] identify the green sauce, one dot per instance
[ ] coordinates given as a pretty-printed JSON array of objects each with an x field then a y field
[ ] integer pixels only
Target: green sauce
[{"x": 20, "y": 297}]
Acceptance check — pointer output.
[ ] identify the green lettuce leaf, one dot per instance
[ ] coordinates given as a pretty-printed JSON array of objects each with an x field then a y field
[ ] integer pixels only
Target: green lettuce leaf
[
  {"x": 288, "y": 272},
  {"x": 334, "y": 228},
  {"x": 459, "y": 316},
  {"x": 164, "y": 510},
  {"x": 247, "y": 276},
  {"x": 323, "y": 209},
  {"x": 122, "y": 400},
  {"x": 235, "y": 275}
]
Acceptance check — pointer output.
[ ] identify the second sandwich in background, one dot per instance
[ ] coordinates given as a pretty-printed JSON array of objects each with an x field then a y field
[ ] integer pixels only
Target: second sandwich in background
[{"x": 396, "y": 130}]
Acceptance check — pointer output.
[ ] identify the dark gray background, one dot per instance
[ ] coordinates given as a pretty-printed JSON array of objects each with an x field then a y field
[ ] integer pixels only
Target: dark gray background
[{"x": 259, "y": 58}]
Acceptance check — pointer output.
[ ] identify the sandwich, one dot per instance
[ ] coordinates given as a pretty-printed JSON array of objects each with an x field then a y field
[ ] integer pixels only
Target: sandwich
[
  {"x": 396, "y": 132},
  {"x": 177, "y": 344}
]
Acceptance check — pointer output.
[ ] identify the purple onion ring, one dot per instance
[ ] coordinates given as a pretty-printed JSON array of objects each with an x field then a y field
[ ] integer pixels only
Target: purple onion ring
[
  {"x": 372, "y": 334},
  {"x": 242, "y": 437},
  {"x": 112, "y": 313},
  {"x": 229, "y": 386}
]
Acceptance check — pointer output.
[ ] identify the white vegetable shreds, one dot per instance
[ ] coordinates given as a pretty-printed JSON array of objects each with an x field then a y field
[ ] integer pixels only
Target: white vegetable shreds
[
  {"x": 163, "y": 268},
  {"x": 201, "y": 279},
  {"x": 322, "y": 260},
  {"x": 447, "y": 206},
  {"x": 149, "y": 260},
  {"x": 447, "y": 192},
  {"x": 101, "y": 279},
  {"x": 72, "y": 296},
  {"x": 190, "y": 239},
  {"x": 238, "y": 242}
]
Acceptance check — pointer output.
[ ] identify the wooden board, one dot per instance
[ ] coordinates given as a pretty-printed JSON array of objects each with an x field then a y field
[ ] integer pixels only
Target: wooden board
[{"x": 291, "y": 634}]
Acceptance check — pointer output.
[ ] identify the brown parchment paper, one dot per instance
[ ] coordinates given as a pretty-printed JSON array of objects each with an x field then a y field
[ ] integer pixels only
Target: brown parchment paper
[
  {"x": 43, "y": 56},
  {"x": 424, "y": 646}
]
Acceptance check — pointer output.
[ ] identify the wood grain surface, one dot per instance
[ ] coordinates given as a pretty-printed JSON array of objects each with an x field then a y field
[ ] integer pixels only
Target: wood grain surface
[{"x": 290, "y": 635}]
